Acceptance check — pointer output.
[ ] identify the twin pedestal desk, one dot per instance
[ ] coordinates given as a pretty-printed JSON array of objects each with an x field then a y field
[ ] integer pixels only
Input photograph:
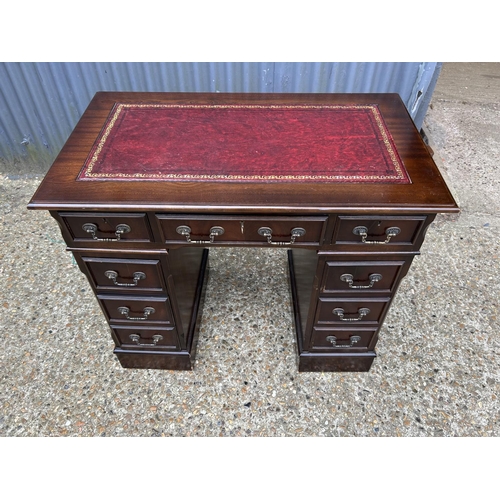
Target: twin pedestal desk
[{"x": 147, "y": 183}]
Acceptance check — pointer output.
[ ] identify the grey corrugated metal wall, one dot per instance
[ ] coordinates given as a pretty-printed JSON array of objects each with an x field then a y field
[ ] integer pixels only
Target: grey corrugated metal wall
[{"x": 40, "y": 103}]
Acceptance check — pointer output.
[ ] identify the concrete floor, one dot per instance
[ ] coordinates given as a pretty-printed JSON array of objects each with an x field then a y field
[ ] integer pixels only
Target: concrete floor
[{"x": 438, "y": 366}]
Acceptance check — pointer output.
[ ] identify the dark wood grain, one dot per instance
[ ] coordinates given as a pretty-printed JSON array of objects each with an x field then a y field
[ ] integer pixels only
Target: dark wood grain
[{"x": 428, "y": 191}]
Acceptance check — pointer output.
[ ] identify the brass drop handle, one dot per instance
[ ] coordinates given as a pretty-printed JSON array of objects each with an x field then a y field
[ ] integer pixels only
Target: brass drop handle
[
  {"x": 295, "y": 233},
  {"x": 362, "y": 312},
  {"x": 349, "y": 279},
  {"x": 214, "y": 231},
  {"x": 354, "y": 339},
  {"x": 147, "y": 311},
  {"x": 363, "y": 232},
  {"x": 92, "y": 229},
  {"x": 113, "y": 275},
  {"x": 134, "y": 337}
]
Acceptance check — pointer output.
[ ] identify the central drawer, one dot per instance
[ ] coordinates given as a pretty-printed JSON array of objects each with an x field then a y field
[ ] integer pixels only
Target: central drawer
[{"x": 262, "y": 231}]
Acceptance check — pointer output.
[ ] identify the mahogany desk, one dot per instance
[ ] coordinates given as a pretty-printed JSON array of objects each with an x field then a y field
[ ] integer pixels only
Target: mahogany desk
[{"x": 148, "y": 182}]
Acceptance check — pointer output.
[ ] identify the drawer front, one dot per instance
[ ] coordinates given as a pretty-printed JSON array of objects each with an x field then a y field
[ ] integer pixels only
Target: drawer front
[
  {"x": 264, "y": 231},
  {"x": 378, "y": 232},
  {"x": 115, "y": 227},
  {"x": 125, "y": 275},
  {"x": 362, "y": 277},
  {"x": 132, "y": 337},
  {"x": 345, "y": 311},
  {"x": 341, "y": 339},
  {"x": 137, "y": 310}
]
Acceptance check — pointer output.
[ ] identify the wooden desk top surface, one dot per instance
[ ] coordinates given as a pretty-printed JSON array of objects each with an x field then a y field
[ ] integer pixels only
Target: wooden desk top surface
[{"x": 268, "y": 153}]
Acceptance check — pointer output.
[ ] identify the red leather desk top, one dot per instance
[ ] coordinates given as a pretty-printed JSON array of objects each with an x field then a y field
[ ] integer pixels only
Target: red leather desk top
[{"x": 238, "y": 143}]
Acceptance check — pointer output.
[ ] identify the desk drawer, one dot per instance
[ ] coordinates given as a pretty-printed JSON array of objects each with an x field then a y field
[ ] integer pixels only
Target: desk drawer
[
  {"x": 262, "y": 231},
  {"x": 144, "y": 338},
  {"x": 347, "y": 311},
  {"x": 114, "y": 227},
  {"x": 362, "y": 277},
  {"x": 341, "y": 339},
  {"x": 137, "y": 310},
  {"x": 378, "y": 232},
  {"x": 125, "y": 275}
]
